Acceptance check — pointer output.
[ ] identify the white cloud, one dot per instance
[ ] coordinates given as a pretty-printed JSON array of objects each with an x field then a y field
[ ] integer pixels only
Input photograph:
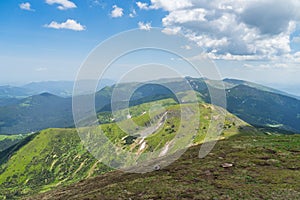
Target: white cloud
[
  {"x": 172, "y": 30},
  {"x": 165, "y": 4},
  {"x": 233, "y": 29},
  {"x": 292, "y": 58},
  {"x": 171, "y": 5},
  {"x": 63, "y": 4},
  {"x": 26, "y": 6},
  {"x": 133, "y": 13},
  {"x": 143, "y": 6},
  {"x": 117, "y": 12},
  {"x": 69, "y": 24},
  {"x": 184, "y": 16},
  {"x": 145, "y": 26},
  {"x": 228, "y": 56}
]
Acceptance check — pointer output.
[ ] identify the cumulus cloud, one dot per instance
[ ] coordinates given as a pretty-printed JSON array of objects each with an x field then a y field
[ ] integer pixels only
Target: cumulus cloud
[
  {"x": 171, "y": 5},
  {"x": 69, "y": 24},
  {"x": 184, "y": 16},
  {"x": 165, "y": 4},
  {"x": 233, "y": 29},
  {"x": 270, "y": 17},
  {"x": 62, "y": 4},
  {"x": 145, "y": 26},
  {"x": 143, "y": 6},
  {"x": 133, "y": 13},
  {"x": 26, "y": 6},
  {"x": 172, "y": 30},
  {"x": 117, "y": 12}
]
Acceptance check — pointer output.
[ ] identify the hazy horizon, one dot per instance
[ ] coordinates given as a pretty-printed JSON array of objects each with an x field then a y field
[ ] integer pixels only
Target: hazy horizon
[{"x": 290, "y": 89}]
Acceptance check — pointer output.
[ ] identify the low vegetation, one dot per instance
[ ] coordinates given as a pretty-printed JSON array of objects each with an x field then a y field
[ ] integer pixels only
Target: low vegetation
[
  {"x": 56, "y": 157},
  {"x": 245, "y": 166}
]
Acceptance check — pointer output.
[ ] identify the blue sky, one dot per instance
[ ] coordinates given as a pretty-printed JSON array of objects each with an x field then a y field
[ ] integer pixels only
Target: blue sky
[{"x": 253, "y": 40}]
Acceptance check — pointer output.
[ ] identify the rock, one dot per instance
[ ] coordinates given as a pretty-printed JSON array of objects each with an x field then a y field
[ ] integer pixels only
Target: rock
[
  {"x": 227, "y": 165},
  {"x": 156, "y": 167},
  {"x": 207, "y": 173}
]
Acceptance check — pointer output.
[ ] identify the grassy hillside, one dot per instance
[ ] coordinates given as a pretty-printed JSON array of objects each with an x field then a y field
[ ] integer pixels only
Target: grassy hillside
[
  {"x": 56, "y": 157},
  {"x": 50, "y": 158},
  {"x": 263, "y": 167}
]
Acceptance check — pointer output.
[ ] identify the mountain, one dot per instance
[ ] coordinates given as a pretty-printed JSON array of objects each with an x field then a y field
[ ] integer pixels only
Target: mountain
[
  {"x": 230, "y": 83},
  {"x": 7, "y": 91},
  {"x": 57, "y": 157},
  {"x": 58, "y": 88},
  {"x": 8, "y": 101},
  {"x": 253, "y": 104},
  {"x": 264, "y": 108},
  {"x": 61, "y": 88},
  {"x": 35, "y": 113}
]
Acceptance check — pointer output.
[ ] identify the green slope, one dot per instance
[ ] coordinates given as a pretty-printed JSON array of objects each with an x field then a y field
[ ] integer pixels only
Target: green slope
[
  {"x": 264, "y": 167},
  {"x": 52, "y": 157},
  {"x": 56, "y": 157}
]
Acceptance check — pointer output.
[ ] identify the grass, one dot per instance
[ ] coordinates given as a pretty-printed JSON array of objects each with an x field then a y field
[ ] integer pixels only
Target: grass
[
  {"x": 53, "y": 157},
  {"x": 264, "y": 167}
]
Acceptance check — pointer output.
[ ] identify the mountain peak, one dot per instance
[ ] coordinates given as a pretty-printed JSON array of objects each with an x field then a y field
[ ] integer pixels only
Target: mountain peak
[{"x": 47, "y": 94}]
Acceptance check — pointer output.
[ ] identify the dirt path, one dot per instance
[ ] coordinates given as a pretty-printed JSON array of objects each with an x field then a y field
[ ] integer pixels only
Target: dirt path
[{"x": 150, "y": 130}]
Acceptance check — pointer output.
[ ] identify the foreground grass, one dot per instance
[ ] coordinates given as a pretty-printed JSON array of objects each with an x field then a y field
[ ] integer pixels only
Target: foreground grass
[{"x": 264, "y": 167}]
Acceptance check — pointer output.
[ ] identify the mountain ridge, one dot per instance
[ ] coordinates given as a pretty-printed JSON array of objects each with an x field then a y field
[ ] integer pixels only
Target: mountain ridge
[{"x": 147, "y": 93}]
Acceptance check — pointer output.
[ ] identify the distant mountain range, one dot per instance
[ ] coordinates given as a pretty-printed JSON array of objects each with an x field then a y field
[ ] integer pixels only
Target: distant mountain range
[
  {"x": 256, "y": 104},
  {"x": 59, "y": 88},
  {"x": 35, "y": 113},
  {"x": 230, "y": 83}
]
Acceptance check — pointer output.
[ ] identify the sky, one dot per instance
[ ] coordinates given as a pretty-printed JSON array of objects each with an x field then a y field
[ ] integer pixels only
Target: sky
[{"x": 253, "y": 40}]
